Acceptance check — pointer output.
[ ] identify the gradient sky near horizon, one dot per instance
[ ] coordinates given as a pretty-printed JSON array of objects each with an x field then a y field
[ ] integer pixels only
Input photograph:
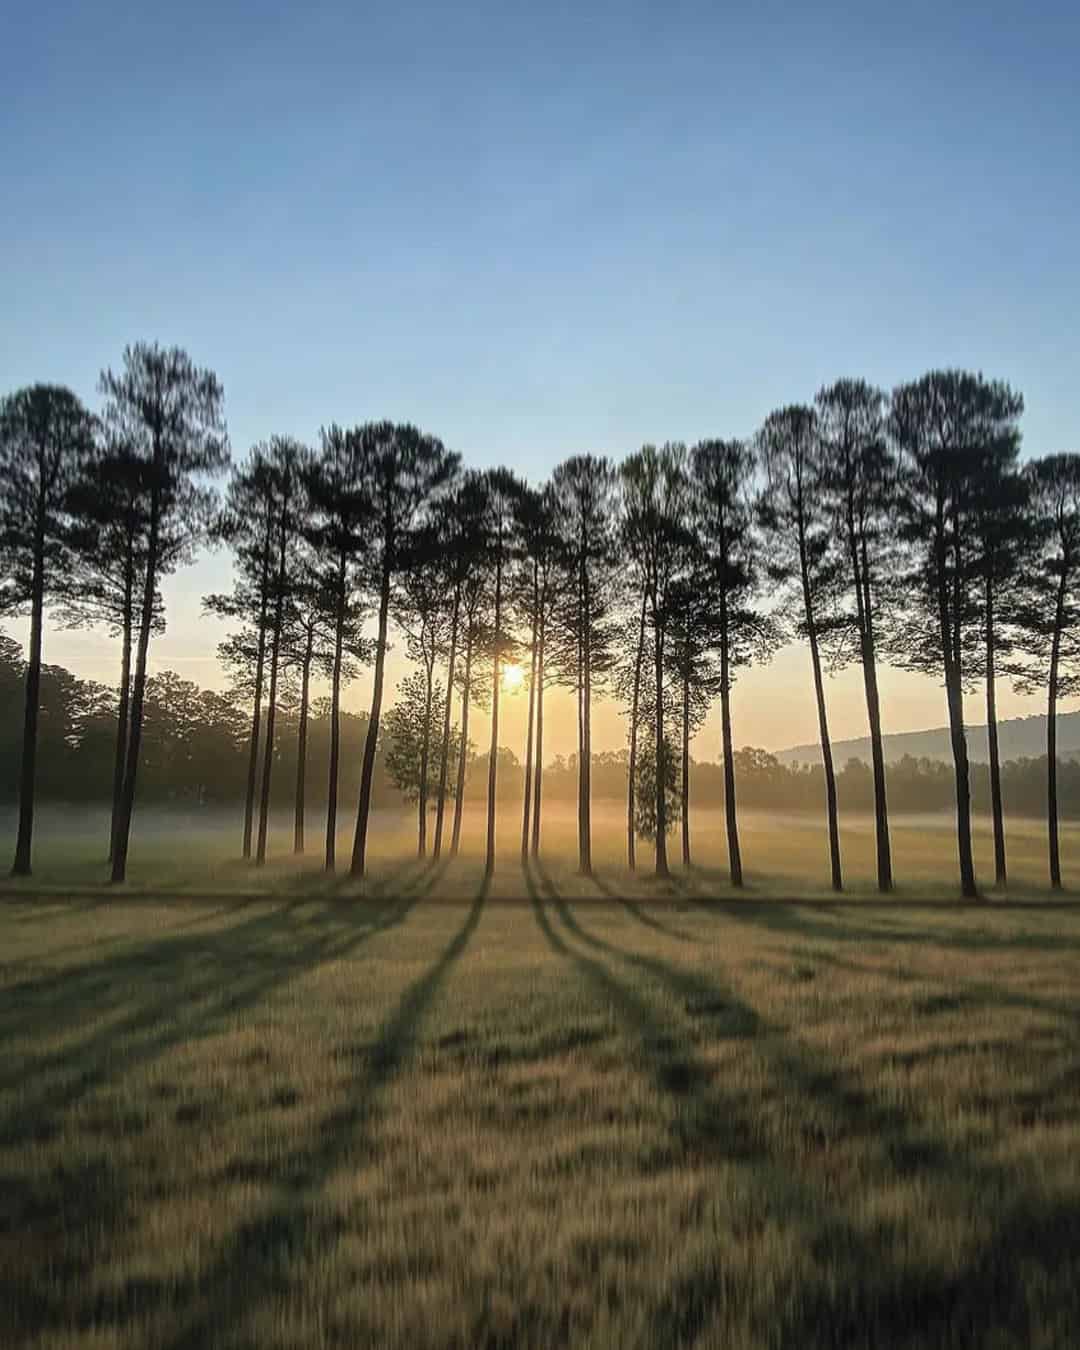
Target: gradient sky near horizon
[{"x": 537, "y": 230}]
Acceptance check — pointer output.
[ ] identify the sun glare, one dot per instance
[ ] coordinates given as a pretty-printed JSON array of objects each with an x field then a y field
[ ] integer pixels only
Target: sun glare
[{"x": 513, "y": 677}]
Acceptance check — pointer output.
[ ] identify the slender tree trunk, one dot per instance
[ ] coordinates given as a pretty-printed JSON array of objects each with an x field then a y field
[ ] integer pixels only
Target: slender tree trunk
[
  {"x": 138, "y": 693},
  {"x": 686, "y": 768},
  {"x": 425, "y": 758},
  {"x": 868, "y": 653},
  {"x": 635, "y": 713},
  {"x": 586, "y": 722},
  {"x": 662, "y": 869},
  {"x": 730, "y": 814},
  {"x": 526, "y": 814},
  {"x": 367, "y": 773},
  {"x": 260, "y": 662},
  {"x": 1051, "y": 737},
  {"x": 301, "y": 744},
  {"x": 957, "y": 736},
  {"x": 493, "y": 758},
  {"x": 335, "y": 723},
  {"x": 1000, "y": 873},
  {"x": 122, "y": 707},
  {"x": 444, "y": 760},
  {"x": 538, "y": 767},
  {"x": 466, "y": 698},
  {"x": 823, "y": 720},
  {"x": 271, "y": 702},
  {"x": 28, "y": 767}
]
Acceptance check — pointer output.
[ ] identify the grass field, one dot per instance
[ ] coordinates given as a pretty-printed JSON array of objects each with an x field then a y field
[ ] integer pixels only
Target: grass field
[
  {"x": 425, "y": 1115},
  {"x": 199, "y": 853}
]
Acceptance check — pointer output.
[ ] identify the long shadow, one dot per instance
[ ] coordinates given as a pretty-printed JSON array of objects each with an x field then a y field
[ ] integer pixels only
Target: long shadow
[
  {"x": 639, "y": 913},
  {"x": 888, "y": 1307},
  {"x": 246, "y": 1272},
  {"x": 191, "y": 999},
  {"x": 188, "y": 986},
  {"x": 847, "y": 923}
]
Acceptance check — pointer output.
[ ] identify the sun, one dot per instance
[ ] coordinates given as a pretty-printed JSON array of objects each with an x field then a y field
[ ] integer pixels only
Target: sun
[{"x": 513, "y": 677}]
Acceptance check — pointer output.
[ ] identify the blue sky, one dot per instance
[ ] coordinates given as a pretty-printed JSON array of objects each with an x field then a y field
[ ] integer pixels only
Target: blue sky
[{"x": 540, "y": 229}]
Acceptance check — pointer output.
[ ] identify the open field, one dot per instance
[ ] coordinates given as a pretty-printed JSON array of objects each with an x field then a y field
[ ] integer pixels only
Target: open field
[
  {"x": 407, "y": 1120},
  {"x": 784, "y": 855}
]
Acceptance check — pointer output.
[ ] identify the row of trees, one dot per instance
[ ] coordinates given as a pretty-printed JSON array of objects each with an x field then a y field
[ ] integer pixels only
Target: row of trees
[{"x": 873, "y": 528}]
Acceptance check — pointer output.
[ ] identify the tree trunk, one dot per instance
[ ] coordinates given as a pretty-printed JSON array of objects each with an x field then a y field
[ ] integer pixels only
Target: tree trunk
[
  {"x": 662, "y": 869},
  {"x": 526, "y": 814},
  {"x": 122, "y": 713},
  {"x": 335, "y": 723},
  {"x": 868, "y": 653},
  {"x": 301, "y": 744},
  {"x": 138, "y": 693},
  {"x": 425, "y": 758},
  {"x": 823, "y": 720},
  {"x": 444, "y": 762},
  {"x": 730, "y": 815},
  {"x": 493, "y": 757},
  {"x": 635, "y": 706},
  {"x": 466, "y": 694},
  {"x": 1051, "y": 736},
  {"x": 686, "y": 768},
  {"x": 21, "y": 867},
  {"x": 957, "y": 737},
  {"x": 367, "y": 774},
  {"x": 1000, "y": 873},
  {"x": 538, "y": 767},
  {"x": 586, "y": 743},
  {"x": 260, "y": 661},
  {"x": 271, "y": 702}
]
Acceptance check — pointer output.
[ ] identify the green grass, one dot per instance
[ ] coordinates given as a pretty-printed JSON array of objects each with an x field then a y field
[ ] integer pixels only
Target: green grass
[{"x": 423, "y": 1116}]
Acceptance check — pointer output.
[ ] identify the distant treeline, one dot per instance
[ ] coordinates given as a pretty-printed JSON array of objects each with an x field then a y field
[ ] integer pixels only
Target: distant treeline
[{"x": 195, "y": 744}]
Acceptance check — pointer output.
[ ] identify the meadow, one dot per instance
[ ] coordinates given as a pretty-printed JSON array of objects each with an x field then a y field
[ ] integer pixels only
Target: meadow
[{"x": 290, "y": 1111}]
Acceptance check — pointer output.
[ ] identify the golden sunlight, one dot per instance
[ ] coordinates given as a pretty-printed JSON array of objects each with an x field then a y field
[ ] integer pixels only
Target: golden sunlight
[{"x": 513, "y": 677}]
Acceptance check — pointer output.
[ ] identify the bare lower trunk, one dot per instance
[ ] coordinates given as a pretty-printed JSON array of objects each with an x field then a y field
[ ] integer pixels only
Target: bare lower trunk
[
  {"x": 662, "y": 869},
  {"x": 444, "y": 760},
  {"x": 538, "y": 768},
  {"x": 996, "y": 807},
  {"x": 301, "y": 747},
  {"x": 1051, "y": 740},
  {"x": 425, "y": 759},
  {"x": 256, "y": 714},
  {"x": 864, "y": 602},
  {"x": 686, "y": 770},
  {"x": 367, "y": 772},
  {"x": 635, "y": 707},
  {"x": 730, "y": 814},
  {"x": 526, "y": 814},
  {"x": 466, "y": 696},
  {"x": 493, "y": 756},
  {"x": 335, "y": 724},
  {"x": 28, "y": 767},
  {"x": 138, "y": 693},
  {"x": 271, "y": 706},
  {"x": 121, "y": 721}
]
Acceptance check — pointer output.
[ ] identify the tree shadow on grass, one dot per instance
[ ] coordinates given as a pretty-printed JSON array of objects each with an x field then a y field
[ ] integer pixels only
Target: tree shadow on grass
[
  {"x": 186, "y": 989},
  {"x": 638, "y": 911},
  {"x": 863, "y": 1287},
  {"x": 248, "y": 1270}
]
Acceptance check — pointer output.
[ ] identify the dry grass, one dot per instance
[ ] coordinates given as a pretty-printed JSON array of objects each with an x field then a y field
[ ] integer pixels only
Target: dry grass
[{"x": 405, "y": 1120}]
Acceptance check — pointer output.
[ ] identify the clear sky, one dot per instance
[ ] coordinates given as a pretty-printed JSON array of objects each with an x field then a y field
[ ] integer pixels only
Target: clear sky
[{"x": 541, "y": 229}]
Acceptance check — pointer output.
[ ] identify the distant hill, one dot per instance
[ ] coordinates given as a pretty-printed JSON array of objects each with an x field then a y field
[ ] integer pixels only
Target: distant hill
[{"x": 1018, "y": 737}]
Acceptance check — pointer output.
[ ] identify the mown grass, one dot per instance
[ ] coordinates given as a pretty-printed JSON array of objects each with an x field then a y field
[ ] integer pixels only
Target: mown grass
[{"x": 588, "y": 1118}]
